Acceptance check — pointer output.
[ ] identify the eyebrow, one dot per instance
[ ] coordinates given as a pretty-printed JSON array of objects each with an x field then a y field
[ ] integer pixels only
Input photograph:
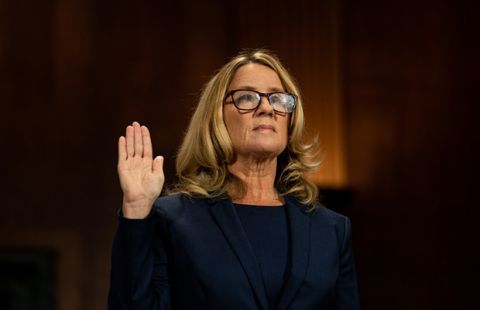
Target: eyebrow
[{"x": 270, "y": 90}]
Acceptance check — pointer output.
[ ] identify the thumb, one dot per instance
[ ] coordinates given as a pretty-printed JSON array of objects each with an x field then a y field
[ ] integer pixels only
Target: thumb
[{"x": 157, "y": 165}]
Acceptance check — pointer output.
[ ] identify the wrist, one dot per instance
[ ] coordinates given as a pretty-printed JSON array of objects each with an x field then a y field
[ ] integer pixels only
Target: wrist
[{"x": 137, "y": 209}]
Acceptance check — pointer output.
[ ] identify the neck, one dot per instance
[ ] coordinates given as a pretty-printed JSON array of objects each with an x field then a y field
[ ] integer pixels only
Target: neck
[{"x": 258, "y": 177}]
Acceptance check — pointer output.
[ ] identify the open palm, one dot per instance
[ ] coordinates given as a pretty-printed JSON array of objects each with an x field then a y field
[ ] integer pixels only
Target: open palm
[{"x": 141, "y": 176}]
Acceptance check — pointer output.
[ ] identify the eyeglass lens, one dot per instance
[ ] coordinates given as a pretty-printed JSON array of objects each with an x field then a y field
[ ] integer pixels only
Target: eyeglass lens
[{"x": 249, "y": 100}]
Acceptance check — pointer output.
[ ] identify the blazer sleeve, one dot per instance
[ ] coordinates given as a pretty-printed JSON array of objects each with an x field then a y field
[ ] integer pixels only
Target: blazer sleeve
[
  {"x": 139, "y": 277},
  {"x": 347, "y": 288}
]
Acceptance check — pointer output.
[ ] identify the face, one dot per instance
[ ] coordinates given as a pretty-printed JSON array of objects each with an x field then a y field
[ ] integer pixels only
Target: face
[{"x": 261, "y": 132}]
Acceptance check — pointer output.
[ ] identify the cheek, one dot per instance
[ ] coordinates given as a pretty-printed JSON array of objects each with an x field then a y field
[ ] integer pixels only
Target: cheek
[
  {"x": 284, "y": 131},
  {"x": 235, "y": 126},
  {"x": 228, "y": 119}
]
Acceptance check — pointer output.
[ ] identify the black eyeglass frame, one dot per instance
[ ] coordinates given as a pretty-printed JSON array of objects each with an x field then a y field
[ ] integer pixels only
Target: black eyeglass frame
[{"x": 266, "y": 95}]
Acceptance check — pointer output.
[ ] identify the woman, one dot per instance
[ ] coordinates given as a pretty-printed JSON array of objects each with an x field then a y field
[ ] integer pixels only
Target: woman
[{"x": 243, "y": 230}]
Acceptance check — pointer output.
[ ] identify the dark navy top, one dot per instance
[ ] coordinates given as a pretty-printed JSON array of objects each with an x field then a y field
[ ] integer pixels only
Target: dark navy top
[
  {"x": 267, "y": 231},
  {"x": 193, "y": 253}
]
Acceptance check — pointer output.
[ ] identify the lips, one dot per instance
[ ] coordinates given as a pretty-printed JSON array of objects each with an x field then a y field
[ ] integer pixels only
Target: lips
[{"x": 264, "y": 127}]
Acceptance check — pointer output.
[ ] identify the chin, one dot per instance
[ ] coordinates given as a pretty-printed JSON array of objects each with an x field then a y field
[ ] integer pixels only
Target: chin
[{"x": 265, "y": 151}]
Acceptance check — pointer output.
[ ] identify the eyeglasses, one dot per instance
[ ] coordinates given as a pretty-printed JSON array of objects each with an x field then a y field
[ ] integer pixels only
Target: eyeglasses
[{"x": 249, "y": 100}]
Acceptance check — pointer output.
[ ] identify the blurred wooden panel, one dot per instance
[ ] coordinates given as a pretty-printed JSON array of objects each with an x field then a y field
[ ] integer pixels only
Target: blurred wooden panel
[
  {"x": 410, "y": 131},
  {"x": 66, "y": 245}
]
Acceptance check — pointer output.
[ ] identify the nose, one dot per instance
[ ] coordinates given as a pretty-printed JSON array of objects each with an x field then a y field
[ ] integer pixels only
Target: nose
[{"x": 264, "y": 107}]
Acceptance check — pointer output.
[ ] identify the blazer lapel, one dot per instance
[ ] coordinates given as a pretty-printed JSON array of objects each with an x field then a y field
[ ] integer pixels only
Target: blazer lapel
[
  {"x": 299, "y": 222},
  {"x": 224, "y": 213}
]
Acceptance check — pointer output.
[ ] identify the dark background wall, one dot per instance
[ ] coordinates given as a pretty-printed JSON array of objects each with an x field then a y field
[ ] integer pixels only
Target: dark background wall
[
  {"x": 411, "y": 95},
  {"x": 74, "y": 73}
]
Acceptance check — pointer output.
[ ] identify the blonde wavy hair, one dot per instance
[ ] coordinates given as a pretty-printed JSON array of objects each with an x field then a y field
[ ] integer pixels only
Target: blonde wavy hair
[{"x": 207, "y": 150}]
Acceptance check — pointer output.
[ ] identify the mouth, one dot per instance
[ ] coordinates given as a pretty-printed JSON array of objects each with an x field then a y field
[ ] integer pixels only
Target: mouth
[{"x": 265, "y": 127}]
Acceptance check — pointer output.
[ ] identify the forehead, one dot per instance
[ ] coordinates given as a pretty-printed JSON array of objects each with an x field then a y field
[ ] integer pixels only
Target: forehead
[{"x": 257, "y": 76}]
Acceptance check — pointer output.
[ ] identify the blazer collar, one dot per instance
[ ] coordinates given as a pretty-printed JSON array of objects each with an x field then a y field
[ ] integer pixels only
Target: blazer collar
[
  {"x": 224, "y": 213},
  {"x": 226, "y": 216},
  {"x": 299, "y": 221}
]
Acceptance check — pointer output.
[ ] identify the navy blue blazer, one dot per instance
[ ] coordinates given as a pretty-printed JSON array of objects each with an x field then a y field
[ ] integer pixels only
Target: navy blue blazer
[{"x": 194, "y": 254}]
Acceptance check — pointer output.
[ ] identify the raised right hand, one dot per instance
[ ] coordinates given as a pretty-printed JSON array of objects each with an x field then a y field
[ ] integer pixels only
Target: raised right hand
[{"x": 141, "y": 176}]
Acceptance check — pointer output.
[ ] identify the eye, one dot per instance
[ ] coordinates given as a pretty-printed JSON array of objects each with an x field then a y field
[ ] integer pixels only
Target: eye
[
  {"x": 278, "y": 98},
  {"x": 245, "y": 96}
]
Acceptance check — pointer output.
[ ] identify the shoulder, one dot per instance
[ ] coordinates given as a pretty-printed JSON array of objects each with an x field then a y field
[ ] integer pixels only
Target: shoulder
[
  {"x": 319, "y": 213},
  {"x": 174, "y": 206},
  {"x": 329, "y": 215},
  {"x": 339, "y": 224},
  {"x": 325, "y": 220}
]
